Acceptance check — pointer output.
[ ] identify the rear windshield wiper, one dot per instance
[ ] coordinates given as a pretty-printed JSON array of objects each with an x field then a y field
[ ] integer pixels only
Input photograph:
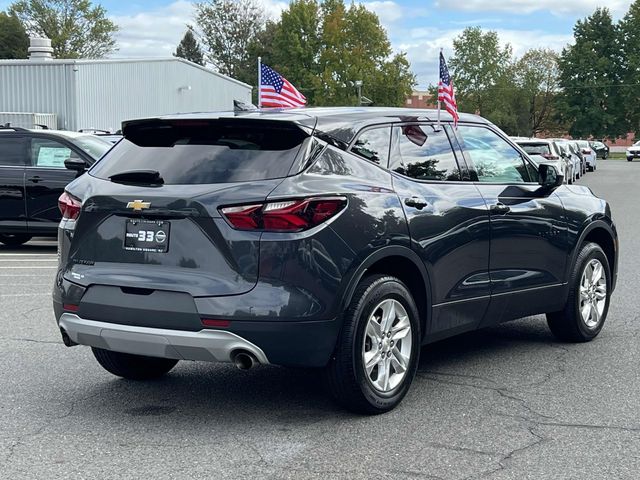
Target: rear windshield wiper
[{"x": 148, "y": 177}]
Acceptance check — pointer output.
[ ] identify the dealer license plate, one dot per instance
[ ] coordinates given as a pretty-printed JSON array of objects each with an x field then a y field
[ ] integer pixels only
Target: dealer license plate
[{"x": 146, "y": 235}]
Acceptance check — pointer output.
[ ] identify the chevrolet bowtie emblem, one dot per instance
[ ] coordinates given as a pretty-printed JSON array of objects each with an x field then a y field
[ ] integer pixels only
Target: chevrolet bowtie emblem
[{"x": 138, "y": 205}]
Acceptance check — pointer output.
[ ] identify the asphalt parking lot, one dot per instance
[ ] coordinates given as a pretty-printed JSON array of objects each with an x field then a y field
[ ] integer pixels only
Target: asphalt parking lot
[{"x": 509, "y": 402}]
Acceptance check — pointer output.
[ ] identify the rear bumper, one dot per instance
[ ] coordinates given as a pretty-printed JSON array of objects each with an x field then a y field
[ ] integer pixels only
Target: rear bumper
[{"x": 206, "y": 345}]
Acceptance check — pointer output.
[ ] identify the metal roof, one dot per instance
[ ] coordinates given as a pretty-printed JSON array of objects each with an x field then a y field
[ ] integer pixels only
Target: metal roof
[{"x": 82, "y": 61}]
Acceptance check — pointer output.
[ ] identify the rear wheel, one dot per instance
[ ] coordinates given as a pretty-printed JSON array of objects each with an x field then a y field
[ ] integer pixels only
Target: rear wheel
[
  {"x": 133, "y": 367},
  {"x": 377, "y": 353},
  {"x": 12, "y": 240},
  {"x": 588, "y": 304}
]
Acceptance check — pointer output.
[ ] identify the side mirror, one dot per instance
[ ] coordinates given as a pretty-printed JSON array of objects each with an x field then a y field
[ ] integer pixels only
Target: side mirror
[
  {"x": 549, "y": 177},
  {"x": 75, "y": 163}
]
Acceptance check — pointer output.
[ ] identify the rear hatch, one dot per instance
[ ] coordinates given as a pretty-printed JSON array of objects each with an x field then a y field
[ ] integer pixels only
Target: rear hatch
[{"x": 150, "y": 208}]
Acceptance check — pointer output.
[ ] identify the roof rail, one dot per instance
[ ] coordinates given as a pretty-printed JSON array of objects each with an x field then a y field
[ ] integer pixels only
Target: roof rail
[{"x": 7, "y": 126}]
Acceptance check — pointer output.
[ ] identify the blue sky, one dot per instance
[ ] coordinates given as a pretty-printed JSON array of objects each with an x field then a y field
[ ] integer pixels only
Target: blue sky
[{"x": 420, "y": 28}]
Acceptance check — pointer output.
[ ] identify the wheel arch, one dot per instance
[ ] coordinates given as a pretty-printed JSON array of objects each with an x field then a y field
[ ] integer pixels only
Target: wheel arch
[
  {"x": 603, "y": 234},
  {"x": 406, "y": 265}
]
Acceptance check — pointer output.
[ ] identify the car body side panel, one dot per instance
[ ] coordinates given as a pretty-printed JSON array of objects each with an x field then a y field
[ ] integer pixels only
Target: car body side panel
[{"x": 13, "y": 217}]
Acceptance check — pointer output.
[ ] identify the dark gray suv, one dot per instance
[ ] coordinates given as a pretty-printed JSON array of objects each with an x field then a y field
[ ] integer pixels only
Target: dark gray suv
[{"x": 337, "y": 238}]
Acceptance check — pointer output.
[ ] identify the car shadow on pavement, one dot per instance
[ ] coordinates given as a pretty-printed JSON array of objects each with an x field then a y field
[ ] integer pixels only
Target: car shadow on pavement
[{"x": 201, "y": 393}]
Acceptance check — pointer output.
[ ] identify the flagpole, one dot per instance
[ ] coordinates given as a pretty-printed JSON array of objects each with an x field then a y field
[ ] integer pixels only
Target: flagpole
[
  {"x": 259, "y": 82},
  {"x": 439, "y": 80}
]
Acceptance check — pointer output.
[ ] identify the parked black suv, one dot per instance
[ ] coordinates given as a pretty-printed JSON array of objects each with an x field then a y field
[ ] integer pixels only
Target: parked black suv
[
  {"x": 35, "y": 166},
  {"x": 336, "y": 238}
]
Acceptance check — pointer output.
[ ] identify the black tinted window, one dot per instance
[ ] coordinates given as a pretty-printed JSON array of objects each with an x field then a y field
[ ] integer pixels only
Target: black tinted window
[
  {"x": 217, "y": 151},
  {"x": 374, "y": 145},
  {"x": 494, "y": 159},
  {"x": 424, "y": 153},
  {"x": 13, "y": 151}
]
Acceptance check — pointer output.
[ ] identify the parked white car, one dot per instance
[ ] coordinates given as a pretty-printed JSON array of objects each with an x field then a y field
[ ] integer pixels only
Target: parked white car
[
  {"x": 573, "y": 160},
  {"x": 589, "y": 154},
  {"x": 545, "y": 151},
  {"x": 633, "y": 152}
]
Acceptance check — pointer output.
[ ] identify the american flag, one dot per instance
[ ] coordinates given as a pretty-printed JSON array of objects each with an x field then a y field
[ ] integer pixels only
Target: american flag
[
  {"x": 445, "y": 91},
  {"x": 276, "y": 91}
]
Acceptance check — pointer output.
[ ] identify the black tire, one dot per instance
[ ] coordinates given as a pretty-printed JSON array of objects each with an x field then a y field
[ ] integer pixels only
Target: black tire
[
  {"x": 133, "y": 367},
  {"x": 567, "y": 325},
  {"x": 345, "y": 373},
  {"x": 14, "y": 240},
  {"x": 629, "y": 159}
]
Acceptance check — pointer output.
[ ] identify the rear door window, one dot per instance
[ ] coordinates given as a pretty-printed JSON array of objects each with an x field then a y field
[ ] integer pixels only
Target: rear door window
[
  {"x": 48, "y": 153},
  {"x": 423, "y": 152},
  {"x": 13, "y": 151},
  {"x": 208, "y": 151}
]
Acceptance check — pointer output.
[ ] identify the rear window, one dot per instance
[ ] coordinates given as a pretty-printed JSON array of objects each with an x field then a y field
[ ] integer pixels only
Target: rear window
[
  {"x": 211, "y": 151},
  {"x": 536, "y": 148}
]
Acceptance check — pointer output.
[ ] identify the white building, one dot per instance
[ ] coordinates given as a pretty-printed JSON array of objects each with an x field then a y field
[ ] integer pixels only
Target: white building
[{"x": 102, "y": 93}]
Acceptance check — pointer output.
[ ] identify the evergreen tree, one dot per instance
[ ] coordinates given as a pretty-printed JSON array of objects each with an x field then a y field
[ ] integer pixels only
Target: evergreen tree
[
  {"x": 189, "y": 49},
  {"x": 591, "y": 73},
  {"x": 13, "y": 39}
]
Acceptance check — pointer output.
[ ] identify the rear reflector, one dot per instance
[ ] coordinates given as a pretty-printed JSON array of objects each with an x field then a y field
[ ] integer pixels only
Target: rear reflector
[
  {"x": 285, "y": 215},
  {"x": 210, "y": 322},
  {"x": 69, "y": 206},
  {"x": 70, "y": 307}
]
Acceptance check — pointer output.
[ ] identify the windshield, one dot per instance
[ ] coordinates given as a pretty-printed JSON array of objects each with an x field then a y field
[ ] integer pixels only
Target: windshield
[{"x": 94, "y": 146}]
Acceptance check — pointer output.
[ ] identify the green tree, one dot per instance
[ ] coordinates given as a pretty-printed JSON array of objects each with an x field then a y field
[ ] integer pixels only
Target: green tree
[
  {"x": 76, "y": 28},
  {"x": 536, "y": 78},
  {"x": 590, "y": 100},
  {"x": 629, "y": 38},
  {"x": 479, "y": 65},
  {"x": 189, "y": 49},
  {"x": 13, "y": 39},
  {"x": 323, "y": 49},
  {"x": 226, "y": 29}
]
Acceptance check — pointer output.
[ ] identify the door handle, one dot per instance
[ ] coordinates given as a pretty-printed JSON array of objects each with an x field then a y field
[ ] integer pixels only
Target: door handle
[
  {"x": 415, "y": 202},
  {"x": 500, "y": 208},
  {"x": 34, "y": 179}
]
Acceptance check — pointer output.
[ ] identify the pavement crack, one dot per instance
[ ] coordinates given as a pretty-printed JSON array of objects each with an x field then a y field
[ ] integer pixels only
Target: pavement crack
[{"x": 31, "y": 340}]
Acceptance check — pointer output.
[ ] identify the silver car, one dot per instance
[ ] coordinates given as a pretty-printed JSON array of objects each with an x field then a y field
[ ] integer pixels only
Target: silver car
[{"x": 547, "y": 151}]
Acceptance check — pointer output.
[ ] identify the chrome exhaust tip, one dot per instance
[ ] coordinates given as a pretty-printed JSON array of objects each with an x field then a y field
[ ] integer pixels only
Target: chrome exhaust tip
[{"x": 245, "y": 360}]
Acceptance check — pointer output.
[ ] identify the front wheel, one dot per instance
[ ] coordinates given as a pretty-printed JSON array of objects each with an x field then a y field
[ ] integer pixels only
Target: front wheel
[
  {"x": 14, "y": 240},
  {"x": 376, "y": 356},
  {"x": 133, "y": 367},
  {"x": 587, "y": 306}
]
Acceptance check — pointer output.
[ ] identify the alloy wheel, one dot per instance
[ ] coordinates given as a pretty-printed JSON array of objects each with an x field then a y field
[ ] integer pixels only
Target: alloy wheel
[
  {"x": 387, "y": 343},
  {"x": 593, "y": 293}
]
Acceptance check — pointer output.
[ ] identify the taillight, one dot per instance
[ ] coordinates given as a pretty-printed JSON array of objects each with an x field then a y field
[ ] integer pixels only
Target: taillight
[
  {"x": 285, "y": 215},
  {"x": 586, "y": 151},
  {"x": 69, "y": 206}
]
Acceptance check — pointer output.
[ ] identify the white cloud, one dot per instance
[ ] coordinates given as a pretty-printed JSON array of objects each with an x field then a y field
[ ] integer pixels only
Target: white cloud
[
  {"x": 423, "y": 45},
  {"x": 157, "y": 32},
  {"x": 566, "y": 7},
  {"x": 154, "y": 33},
  {"x": 387, "y": 11}
]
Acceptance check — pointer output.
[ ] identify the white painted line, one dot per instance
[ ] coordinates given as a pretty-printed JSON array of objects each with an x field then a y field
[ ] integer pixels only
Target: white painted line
[
  {"x": 9, "y": 260},
  {"x": 19, "y": 275},
  {"x": 3, "y": 295},
  {"x": 29, "y": 268}
]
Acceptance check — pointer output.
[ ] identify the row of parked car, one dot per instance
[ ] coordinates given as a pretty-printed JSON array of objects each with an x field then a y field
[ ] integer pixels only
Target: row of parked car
[{"x": 572, "y": 157}]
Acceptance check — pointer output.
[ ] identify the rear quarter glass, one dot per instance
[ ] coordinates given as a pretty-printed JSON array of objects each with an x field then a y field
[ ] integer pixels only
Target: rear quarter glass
[{"x": 206, "y": 152}]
